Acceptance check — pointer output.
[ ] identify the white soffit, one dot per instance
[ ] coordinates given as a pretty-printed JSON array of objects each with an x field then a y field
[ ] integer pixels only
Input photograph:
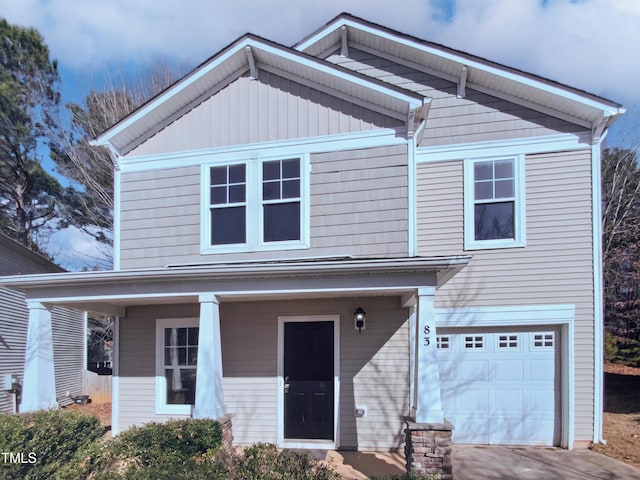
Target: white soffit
[
  {"x": 483, "y": 75},
  {"x": 236, "y": 60}
]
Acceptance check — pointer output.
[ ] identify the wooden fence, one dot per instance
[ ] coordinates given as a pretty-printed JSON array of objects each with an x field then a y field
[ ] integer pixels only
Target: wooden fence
[{"x": 98, "y": 387}]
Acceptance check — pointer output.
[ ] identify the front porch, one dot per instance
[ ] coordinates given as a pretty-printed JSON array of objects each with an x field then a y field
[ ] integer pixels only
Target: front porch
[{"x": 241, "y": 311}]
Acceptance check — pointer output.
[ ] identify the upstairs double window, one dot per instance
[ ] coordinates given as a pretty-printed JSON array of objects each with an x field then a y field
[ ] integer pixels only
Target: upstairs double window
[
  {"x": 494, "y": 203},
  {"x": 256, "y": 205}
]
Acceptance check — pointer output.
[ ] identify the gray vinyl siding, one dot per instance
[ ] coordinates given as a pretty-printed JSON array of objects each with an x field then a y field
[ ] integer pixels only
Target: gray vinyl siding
[
  {"x": 374, "y": 366},
  {"x": 475, "y": 118},
  {"x": 68, "y": 329},
  {"x": 358, "y": 207},
  {"x": 269, "y": 109},
  {"x": 555, "y": 267},
  {"x": 13, "y": 340},
  {"x": 68, "y": 346},
  {"x": 67, "y": 326}
]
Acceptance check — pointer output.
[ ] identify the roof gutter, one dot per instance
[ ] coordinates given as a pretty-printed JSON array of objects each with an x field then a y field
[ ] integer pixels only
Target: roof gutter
[{"x": 250, "y": 270}]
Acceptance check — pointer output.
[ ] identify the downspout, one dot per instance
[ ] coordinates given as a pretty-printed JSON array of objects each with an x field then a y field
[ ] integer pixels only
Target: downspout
[{"x": 598, "y": 304}]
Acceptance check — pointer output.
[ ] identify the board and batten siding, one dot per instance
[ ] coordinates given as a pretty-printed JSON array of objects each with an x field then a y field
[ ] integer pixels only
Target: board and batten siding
[
  {"x": 271, "y": 108},
  {"x": 555, "y": 267},
  {"x": 374, "y": 366},
  {"x": 358, "y": 207},
  {"x": 477, "y": 117}
]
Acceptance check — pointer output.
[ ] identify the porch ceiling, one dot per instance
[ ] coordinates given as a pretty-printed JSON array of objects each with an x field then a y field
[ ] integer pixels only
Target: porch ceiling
[{"x": 113, "y": 291}]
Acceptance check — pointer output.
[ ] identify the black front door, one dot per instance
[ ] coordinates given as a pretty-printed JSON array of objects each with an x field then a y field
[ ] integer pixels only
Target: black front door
[{"x": 308, "y": 379}]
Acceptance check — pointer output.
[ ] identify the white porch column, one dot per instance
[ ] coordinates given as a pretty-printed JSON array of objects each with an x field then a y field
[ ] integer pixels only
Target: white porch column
[
  {"x": 427, "y": 401},
  {"x": 209, "y": 389},
  {"x": 38, "y": 381}
]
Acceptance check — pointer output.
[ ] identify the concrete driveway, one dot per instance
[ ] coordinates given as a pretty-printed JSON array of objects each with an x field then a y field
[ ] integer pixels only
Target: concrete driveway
[{"x": 495, "y": 463}]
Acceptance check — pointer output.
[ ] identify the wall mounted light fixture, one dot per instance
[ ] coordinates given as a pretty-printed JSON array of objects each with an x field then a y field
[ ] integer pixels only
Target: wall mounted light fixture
[{"x": 359, "y": 317}]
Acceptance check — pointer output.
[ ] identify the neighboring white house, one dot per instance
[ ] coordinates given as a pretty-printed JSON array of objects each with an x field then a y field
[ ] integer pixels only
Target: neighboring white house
[
  {"x": 274, "y": 194},
  {"x": 68, "y": 331}
]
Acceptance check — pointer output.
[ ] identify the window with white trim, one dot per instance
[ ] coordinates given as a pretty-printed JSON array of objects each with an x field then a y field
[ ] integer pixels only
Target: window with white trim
[
  {"x": 228, "y": 204},
  {"x": 281, "y": 200},
  {"x": 176, "y": 364},
  {"x": 256, "y": 204},
  {"x": 494, "y": 202}
]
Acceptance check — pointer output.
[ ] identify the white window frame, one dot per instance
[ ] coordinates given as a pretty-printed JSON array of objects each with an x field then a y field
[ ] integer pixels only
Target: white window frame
[
  {"x": 519, "y": 240},
  {"x": 162, "y": 407},
  {"x": 254, "y": 206}
]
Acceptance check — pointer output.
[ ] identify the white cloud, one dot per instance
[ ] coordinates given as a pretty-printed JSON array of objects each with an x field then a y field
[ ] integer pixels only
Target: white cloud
[
  {"x": 590, "y": 44},
  {"x": 75, "y": 250}
]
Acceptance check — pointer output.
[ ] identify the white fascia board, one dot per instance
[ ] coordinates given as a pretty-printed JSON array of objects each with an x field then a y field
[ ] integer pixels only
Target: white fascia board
[
  {"x": 414, "y": 100},
  {"x": 346, "y": 141},
  {"x": 528, "y": 145},
  {"x": 105, "y": 138},
  {"x": 505, "y": 316},
  {"x": 464, "y": 60}
]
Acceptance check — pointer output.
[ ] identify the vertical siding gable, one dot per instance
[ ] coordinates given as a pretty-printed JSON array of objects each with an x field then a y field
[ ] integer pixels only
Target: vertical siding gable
[
  {"x": 475, "y": 118},
  {"x": 268, "y": 109}
]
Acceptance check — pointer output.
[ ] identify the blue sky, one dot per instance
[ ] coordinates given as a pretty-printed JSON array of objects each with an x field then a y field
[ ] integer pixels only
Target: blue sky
[{"x": 588, "y": 44}]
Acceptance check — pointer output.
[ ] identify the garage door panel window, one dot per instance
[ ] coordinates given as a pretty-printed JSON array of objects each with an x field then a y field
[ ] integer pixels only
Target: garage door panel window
[
  {"x": 474, "y": 342},
  {"x": 544, "y": 340},
  {"x": 508, "y": 342},
  {"x": 443, "y": 342}
]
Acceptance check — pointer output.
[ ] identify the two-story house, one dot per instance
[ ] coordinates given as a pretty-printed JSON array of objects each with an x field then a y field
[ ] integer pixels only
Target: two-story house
[{"x": 322, "y": 239}]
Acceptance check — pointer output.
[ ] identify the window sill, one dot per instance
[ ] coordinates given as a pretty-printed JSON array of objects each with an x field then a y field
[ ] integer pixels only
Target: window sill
[
  {"x": 494, "y": 244},
  {"x": 296, "y": 245}
]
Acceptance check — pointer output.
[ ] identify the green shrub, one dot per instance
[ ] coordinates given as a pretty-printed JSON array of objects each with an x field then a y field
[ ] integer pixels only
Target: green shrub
[
  {"x": 46, "y": 440},
  {"x": 172, "y": 450},
  {"x": 264, "y": 461},
  {"x": 173, "y": 441},
  {"x": 610, "y": 347}
]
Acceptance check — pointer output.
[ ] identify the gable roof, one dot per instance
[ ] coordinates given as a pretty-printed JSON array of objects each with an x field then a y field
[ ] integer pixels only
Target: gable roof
[
  {"x": 532, "y": 91},
  {"x": 250, "y": 54},
  {"x": 19, "y": 259}
]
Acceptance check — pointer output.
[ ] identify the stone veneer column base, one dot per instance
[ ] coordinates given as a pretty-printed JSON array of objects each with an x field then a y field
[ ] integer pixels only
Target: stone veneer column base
[
  {"x": 428, "y": 449},
  {"x": 227, "y": 434}
]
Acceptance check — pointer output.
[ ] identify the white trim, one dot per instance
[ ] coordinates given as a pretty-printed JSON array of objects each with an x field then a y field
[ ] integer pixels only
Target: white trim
[
  {"x": 115, "y": 379},
  {"x": 559, "y": 316},
  {"x": 412, "y": 233},
  {"x": 505, "y": 316},
  {"x": 117, "y": 205},
  {"x": 313, "y": 444},
  {"x": 327, "y": 143},
  {"x": 162, "y": 408},
  {"x": 519, "y": 222},
  {"x": 466, "y": 60},
  {"x": 543, "y": 144},
  {"x": 598, "y": 327},
  {"x": 254, "y": 226}
]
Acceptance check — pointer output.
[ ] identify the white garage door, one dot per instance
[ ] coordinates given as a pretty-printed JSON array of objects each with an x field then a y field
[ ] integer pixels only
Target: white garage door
[{"x": 501, "y": 388}]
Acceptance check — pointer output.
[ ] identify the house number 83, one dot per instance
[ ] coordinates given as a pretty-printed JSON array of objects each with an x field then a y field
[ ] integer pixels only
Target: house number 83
[{"x": 427, "y": 338}]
